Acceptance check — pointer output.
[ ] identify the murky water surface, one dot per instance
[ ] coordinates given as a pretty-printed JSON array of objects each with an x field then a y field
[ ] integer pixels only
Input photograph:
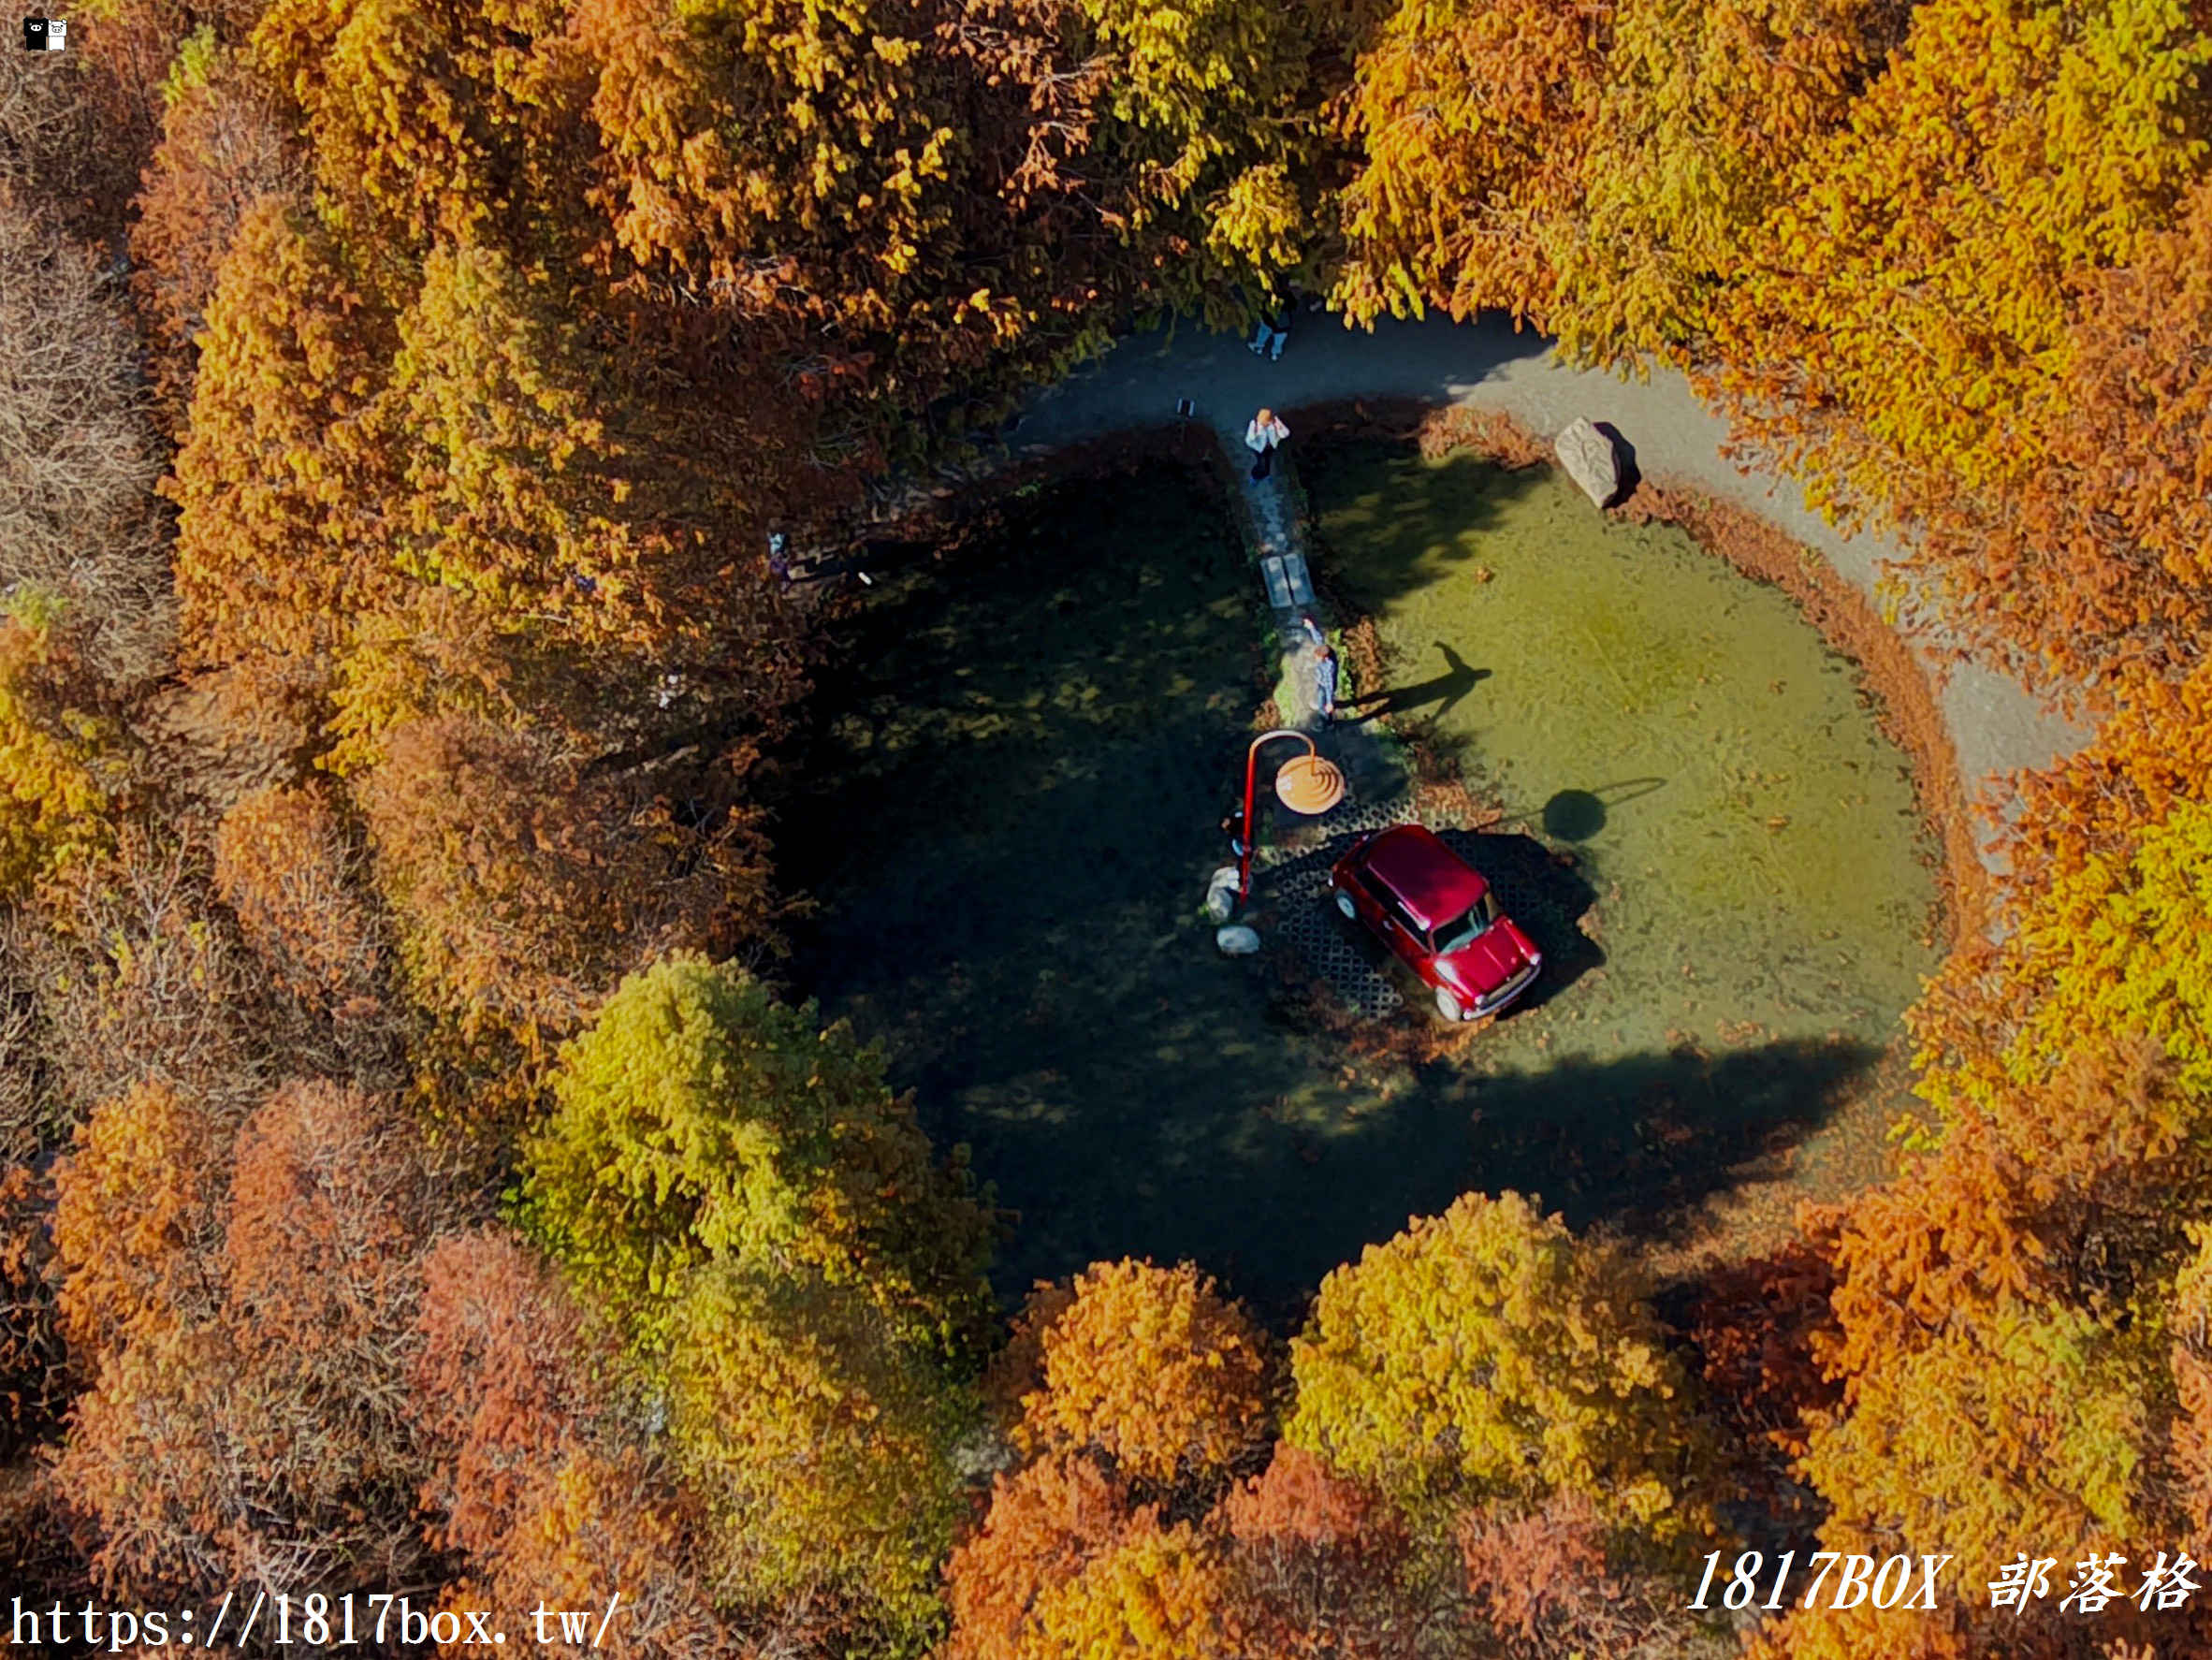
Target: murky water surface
[
  {"x": 1751, "y": 835},
  {"x": 1012, "y": 807}
]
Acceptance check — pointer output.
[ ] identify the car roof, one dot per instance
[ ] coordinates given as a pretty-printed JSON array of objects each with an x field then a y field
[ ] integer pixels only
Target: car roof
[{"x": 1433, "y": 882}]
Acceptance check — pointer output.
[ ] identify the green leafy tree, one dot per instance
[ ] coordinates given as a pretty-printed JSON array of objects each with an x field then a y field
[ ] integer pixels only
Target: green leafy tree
[
  {"x": 699, "y": 1120},
  {"x": 821, "y": 1439}
]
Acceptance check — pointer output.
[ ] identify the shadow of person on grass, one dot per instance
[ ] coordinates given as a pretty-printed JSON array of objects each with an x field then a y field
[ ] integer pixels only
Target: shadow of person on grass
[{"x": 1444, "y": 690}]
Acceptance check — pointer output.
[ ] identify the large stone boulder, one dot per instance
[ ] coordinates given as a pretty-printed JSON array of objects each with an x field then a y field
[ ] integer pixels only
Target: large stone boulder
[{"x": 1590, "y": 459}]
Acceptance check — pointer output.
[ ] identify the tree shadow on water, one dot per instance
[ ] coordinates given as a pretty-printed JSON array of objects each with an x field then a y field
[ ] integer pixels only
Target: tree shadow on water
[
  {"x": 1637, "y": 1142},
  {"x": 1408, "y": 532}
]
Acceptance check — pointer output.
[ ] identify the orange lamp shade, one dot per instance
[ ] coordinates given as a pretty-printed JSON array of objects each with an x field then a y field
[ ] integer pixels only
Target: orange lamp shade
[{"x": 1308, "y": 784}]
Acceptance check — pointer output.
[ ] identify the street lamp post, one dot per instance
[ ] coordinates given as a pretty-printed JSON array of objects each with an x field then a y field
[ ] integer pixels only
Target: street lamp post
[{"x": 1304, "y": 783}]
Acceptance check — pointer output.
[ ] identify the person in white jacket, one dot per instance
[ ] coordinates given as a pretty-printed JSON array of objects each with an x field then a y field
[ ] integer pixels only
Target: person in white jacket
[{"x": 1261, "y": 437}]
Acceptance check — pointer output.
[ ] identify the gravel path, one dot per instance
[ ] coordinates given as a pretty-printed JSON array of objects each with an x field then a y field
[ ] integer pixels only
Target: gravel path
[{"x": 1995, "y": 725}]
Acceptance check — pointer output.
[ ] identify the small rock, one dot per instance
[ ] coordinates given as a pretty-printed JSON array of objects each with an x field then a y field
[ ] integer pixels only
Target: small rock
[
  {"x": 1221, "y": 893},
  {"x": 1590, "y": 460},
  {"x": 1236, "y": 941}
]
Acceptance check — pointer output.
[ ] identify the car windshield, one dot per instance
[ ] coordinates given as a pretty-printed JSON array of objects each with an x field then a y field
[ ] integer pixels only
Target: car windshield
[{"x": 1464, "y": 930}]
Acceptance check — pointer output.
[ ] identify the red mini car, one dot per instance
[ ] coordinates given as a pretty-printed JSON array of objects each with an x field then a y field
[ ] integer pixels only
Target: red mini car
[{"x": 1439, "y": 914}]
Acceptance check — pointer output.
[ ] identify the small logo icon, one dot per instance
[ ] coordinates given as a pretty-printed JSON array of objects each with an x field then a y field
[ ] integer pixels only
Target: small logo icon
[{"x": 45, "y": 33}]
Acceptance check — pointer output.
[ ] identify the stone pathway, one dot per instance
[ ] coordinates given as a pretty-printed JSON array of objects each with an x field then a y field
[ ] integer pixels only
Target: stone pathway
[{"x": 1296, "y": 856}]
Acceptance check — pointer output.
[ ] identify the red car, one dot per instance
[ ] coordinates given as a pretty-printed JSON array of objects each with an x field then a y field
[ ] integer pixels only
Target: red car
[{"x": 1438, "y": 913}]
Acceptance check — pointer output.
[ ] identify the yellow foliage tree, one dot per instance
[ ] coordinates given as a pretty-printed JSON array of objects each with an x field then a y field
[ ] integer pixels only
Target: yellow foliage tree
[
  {"x": 700, "y": 1121},
  {"x": 64, "y": 761},
  {"x": 1907, "y": 306},
  {"x": 2032, "y": 1427},
  {"x": 1487, "y": 1352},
  {"x": 1161, "y": 1592},
  {"x": 432, "y": 119},
  {"x": 823, "y": 1441},
  {"x": 1706, "y": 110}
]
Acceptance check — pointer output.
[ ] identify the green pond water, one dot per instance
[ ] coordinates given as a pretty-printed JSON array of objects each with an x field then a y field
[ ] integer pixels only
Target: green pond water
[
  {"x": 1010, "y": 806},
  {"x": 1751, "y": 835}
]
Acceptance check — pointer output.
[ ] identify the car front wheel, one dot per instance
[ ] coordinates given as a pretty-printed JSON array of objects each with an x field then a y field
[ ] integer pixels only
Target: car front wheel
[
  {"x": 1447, "y": 1005},
  {"x": 1343, "y": 903}
]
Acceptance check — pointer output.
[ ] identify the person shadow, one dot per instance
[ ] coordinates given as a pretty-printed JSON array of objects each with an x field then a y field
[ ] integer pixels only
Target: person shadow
[{"x": 1444, "y": 690}]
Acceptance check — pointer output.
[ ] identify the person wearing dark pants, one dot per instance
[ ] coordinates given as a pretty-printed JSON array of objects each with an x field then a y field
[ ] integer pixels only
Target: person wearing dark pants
[{"x": 1261, "y": 437}]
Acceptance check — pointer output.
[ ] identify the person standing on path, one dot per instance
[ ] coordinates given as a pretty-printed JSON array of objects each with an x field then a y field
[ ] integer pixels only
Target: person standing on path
[
  {"x": 1273, "y": 330},
  {"x": 1324, "y": 672},
  {"x": 1261, "y": 437}
]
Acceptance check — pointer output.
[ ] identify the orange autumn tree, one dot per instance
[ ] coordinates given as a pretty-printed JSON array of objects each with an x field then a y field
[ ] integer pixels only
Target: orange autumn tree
[
  {"x": 532, "y": 1473},
  {"x": 1323, "y": 1565},
  {"x": 1471, "y": 123},
  {"x": 256, "y": 1425},
  {"x": 276, "y": 482},
  {"x": 137, "y": 1219},
  {"x": 506, "y": 1370},
  {"x": 223, "y": 150},
  {"x": 919, "y": 208},
  {"x": 1045, "y": 1521},
  {"x": 292, "y": 875},
  {"x": 1293, "y": 1560},
  {"x": 1906, "y": 310},
  {"x": 523, "y": 887},
  {"x": 2090, "y": 577},
  {"x": 2029, "y": 1272},
  {"x": 537, "y": 479},
  {"x": 1151, "y": 1370}
]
